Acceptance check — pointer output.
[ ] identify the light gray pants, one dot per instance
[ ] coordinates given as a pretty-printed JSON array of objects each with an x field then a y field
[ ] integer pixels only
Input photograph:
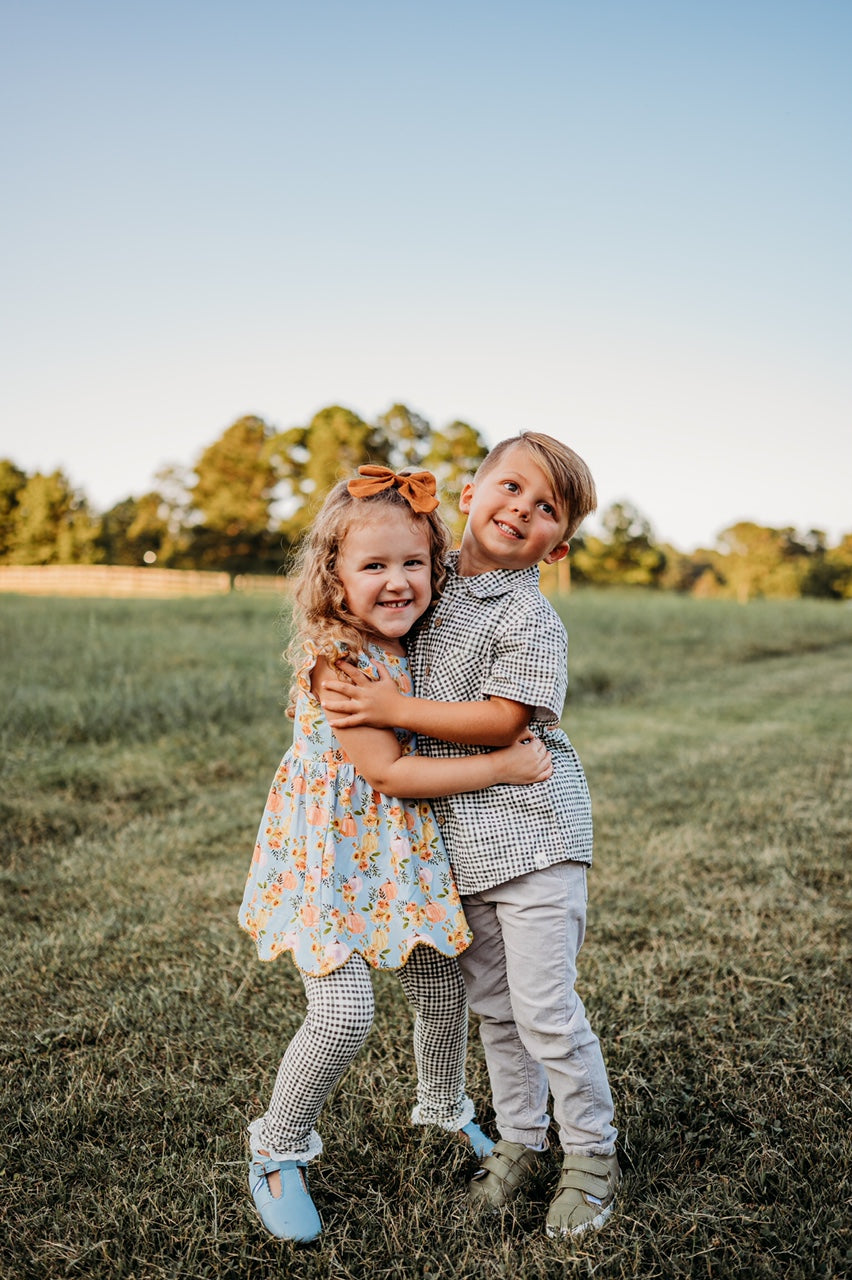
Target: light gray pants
[
  {"x": 338, "y": 1020},
  {"x": 520, "y": 973}
]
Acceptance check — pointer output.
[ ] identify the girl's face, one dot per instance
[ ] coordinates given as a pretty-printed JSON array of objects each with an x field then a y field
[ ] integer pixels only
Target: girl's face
[{"x": 384, "y": 568}]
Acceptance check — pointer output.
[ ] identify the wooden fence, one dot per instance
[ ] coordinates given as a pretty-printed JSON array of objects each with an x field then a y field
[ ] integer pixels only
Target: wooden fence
[{"x": 121, "y": 580}]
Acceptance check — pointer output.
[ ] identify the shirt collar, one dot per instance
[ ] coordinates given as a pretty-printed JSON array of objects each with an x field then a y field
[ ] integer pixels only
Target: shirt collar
[{"x": 495, "y": 583}]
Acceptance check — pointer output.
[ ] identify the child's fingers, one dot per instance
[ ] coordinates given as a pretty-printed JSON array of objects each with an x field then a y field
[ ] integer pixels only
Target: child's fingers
[
  {"x": 356, "y": 674},
  {"x": 342, "y": 721},
  {"x": 344, "y": 688},
  {"x": 331, "y": 701}
]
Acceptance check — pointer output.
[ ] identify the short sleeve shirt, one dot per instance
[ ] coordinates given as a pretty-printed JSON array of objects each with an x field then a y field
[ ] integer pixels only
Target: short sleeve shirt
[{"x": 495, "y": 635}]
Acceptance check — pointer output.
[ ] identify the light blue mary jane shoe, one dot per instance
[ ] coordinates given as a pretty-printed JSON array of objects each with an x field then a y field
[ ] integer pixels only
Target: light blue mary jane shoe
[
  {"x": 293, "y": 1214},
  {"x": 480, "y": 1142}
]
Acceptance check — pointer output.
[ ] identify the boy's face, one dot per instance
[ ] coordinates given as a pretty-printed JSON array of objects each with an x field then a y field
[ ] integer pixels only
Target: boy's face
[{"x": 514, "y": 517}]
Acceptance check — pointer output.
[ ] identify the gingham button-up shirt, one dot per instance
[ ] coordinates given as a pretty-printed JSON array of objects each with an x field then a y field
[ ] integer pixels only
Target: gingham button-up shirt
[{"x": 495, "y": 635}]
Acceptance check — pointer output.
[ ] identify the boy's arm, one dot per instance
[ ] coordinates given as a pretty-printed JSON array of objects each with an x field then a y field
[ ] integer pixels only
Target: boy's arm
[
  {"x": 359, "y": 701},
  {"x": 377, "y": 756}
]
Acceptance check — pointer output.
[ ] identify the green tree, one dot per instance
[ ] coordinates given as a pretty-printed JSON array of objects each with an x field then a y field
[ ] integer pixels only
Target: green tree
[
  {"x": 755, "y": 560},
  {"x": 52, "y": 524},
  {"x": 230, "y": 522},
  {"x": 454, "y": 453},
  {"x": 12, "y": 483},
  {"x": 312, "y": 459},
  {"x": 404, "y": 436},
  {"x": 626, "y": 553},
  {"x": 139, "y": 531},
  {"x": 113, "y": 541},
  {"x": 838, "y": 570}
]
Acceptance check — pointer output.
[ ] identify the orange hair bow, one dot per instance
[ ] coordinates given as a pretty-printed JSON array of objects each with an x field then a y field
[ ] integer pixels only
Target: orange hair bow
[{"x": 417, "y": 489}]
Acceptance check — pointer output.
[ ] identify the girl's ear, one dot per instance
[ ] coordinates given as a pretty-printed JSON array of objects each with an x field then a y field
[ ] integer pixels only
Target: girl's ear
[{"x": 559, "y": 552}]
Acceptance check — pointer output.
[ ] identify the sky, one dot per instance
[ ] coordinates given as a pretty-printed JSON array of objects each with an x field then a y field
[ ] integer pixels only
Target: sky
[{"x": 626, "y": 223}]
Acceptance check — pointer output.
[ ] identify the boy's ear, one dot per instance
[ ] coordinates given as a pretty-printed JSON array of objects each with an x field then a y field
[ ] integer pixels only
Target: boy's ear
[
  {"x": 559, "y": 552},
  {"x": 466, "y": 498}
]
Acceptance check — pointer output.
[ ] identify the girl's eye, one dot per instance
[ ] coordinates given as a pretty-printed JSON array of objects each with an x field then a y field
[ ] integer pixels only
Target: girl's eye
[
  {"x": 374, "y": 564},
  {"x": 415, "y": 564}
]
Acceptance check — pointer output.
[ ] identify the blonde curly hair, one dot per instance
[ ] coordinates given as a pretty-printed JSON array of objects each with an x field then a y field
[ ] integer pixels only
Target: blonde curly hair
[{"x": 320, "y": 612}]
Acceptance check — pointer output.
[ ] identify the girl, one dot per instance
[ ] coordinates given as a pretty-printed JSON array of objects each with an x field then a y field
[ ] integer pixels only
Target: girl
[{"x": 346, "y": 876}]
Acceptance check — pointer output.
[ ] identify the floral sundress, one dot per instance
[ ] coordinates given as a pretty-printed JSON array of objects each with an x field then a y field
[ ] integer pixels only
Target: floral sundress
[{"x": 339, "y": 867}]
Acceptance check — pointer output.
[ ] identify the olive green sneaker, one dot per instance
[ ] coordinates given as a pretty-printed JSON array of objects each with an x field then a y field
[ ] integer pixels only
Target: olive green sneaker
[
  {"x": 585, "y": 1195},
  {"x": 503, "y": 1174}
]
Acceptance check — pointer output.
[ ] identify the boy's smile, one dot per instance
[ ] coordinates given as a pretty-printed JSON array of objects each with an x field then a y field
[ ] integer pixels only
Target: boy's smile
[{"x": 515, "y": 519}]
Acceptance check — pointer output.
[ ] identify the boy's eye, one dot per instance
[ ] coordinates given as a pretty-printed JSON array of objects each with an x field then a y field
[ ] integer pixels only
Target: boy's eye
[
  {"x": 510, "y": 485},
  {"x": 547, "y": 508}
]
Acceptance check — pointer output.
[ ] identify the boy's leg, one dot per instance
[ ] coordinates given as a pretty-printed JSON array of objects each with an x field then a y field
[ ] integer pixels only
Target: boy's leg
[
  {"x": 530, "y": 930},
  {"x": 543, "y": 918},
  {"x": 518, "y": 1082},
  {"x": 338, "y": 1020},
  {"x": 434, "y": 988}
]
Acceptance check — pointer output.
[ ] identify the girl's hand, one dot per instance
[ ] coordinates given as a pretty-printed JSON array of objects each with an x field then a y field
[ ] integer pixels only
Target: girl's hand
[
  {"x": 527, "y": 760},
  {"x": 358, "y": 701}
]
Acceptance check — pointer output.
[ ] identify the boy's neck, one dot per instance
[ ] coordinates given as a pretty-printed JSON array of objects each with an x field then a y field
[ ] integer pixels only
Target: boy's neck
[{"x": 473, "y": 562}]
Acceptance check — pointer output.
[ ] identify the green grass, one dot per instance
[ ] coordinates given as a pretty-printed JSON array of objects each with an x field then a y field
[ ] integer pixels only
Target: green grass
[{"x": 139, "y": 1032}]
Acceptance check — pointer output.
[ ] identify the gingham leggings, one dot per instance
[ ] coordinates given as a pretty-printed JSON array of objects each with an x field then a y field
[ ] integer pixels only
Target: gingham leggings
[{"x": 338, "y": 1020}]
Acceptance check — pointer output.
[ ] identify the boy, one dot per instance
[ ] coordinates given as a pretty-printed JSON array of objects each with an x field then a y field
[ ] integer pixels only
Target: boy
[{"x": 489, "y": 660}]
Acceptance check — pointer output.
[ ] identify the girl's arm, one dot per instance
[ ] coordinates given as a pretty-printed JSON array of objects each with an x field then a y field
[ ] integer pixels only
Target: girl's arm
[
  {"x": 359, "y": 701},
  {"x": 377, "y": 756}
]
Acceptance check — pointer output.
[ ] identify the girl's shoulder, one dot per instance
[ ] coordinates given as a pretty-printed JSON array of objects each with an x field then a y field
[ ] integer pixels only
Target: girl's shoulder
[{"x": 367, "y": 660}]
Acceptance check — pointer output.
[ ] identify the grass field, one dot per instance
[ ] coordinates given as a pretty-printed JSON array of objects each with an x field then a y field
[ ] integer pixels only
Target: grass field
[{"x": 139, "y": 1032}]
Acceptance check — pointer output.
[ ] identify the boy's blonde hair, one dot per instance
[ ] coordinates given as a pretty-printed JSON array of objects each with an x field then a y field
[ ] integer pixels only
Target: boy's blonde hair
[
  {"x": 320, "y": 613},
  {"x": 567, "y": 472}
]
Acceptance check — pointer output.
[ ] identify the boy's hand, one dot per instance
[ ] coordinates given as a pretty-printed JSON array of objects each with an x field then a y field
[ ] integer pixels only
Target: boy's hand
[
  {"x": 360, "y": 701},
  {"x": 527, "y": 760}
]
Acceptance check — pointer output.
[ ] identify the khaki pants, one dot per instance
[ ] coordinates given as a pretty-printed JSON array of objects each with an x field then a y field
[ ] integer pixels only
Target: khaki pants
[{"x": 520, "y": 973}]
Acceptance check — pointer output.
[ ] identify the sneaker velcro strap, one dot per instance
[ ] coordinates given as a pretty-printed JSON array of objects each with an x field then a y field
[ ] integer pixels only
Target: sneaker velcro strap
[
  {"x": 509, "y": 1161},
  {"x": 585, "y": 1174}
]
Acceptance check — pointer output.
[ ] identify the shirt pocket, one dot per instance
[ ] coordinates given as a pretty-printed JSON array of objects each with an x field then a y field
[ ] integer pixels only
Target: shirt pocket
[{"x": 454, "y": 675}]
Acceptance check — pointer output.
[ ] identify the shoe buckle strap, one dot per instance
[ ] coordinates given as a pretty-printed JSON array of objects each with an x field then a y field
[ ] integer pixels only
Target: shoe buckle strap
[{"x": 584, "y": 1180}]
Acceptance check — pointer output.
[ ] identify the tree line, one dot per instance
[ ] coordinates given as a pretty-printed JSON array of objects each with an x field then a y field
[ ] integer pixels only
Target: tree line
[{"x": 251, "y": 494}]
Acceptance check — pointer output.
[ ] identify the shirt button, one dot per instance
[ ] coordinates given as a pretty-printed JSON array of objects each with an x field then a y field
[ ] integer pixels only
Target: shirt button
[
  {"x": 437, "y": 622},
  {"x": 428, "y": 671}
]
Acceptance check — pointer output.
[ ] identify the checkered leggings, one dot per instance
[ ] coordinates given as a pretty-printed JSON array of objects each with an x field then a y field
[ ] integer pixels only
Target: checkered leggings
[{"x": 338, "y": 1020}]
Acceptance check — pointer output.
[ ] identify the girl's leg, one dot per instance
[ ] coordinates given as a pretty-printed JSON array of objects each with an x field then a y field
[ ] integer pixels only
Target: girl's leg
[
  {"x": 339, "y": 1017},
  {"x": 434, "y": 988}
]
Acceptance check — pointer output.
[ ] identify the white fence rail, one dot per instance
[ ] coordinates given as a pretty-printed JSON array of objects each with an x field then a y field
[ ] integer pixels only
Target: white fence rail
[{"x": 121, "y": 580}]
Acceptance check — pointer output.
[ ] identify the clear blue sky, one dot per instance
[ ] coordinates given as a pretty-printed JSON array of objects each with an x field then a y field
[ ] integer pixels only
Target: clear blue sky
[{"x": 623, "y": 222}]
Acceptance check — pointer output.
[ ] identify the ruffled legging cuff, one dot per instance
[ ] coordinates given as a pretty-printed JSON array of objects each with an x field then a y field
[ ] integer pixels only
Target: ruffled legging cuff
[
  {"x": 302, "y": 1151},
  {"x": 424, "y": 1114}
]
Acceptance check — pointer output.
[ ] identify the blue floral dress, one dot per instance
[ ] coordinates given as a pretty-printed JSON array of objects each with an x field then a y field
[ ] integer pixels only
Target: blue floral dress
[{"x": 339, "y": 867}]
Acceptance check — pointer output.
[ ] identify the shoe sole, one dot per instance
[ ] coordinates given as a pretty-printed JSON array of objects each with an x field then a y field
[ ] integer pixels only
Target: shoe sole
[{"x": 594, "y": 1224}]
